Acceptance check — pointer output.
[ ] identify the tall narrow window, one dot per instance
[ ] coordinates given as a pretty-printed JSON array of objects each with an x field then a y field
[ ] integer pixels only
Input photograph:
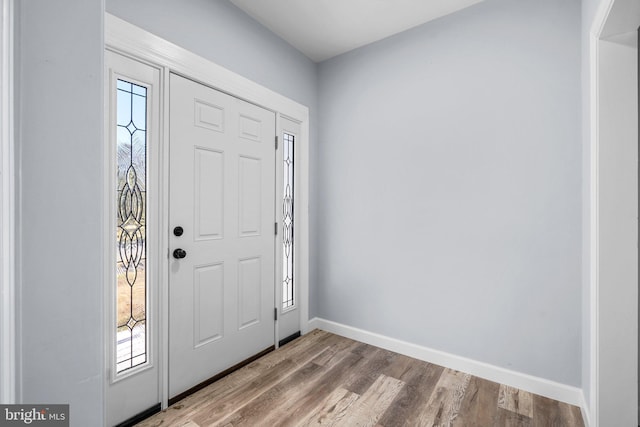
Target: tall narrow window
[
  {"x": 287, "y": 222},
  {"x": 131, "y": 204}
]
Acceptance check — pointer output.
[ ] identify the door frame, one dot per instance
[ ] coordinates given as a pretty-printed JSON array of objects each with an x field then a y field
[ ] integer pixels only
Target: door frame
[
  {"x": 8, "y": 324},
  {"x": 613, "y": 214},
  {"x": 129, "y": 40}
]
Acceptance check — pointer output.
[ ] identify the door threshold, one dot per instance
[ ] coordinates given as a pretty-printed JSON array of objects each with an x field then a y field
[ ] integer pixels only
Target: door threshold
[
  {"x": 288, "y": 339},
  {"x": 141, "y": 416},
  {"x": 221, "y": 375}
]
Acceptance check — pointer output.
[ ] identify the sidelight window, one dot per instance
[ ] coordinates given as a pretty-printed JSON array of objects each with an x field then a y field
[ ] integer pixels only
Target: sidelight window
[
  {"x": 288, "y": 222},
  {"x": 131, "y": 203}
]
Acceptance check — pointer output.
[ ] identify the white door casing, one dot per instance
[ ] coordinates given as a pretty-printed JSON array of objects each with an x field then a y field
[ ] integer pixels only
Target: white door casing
[
  {"x": 222, "y": 194},
  {"x": 8, "y": 339}
]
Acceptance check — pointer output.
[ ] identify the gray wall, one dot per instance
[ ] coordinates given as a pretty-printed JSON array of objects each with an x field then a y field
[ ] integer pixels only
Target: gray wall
[
  {"x": 446, "y": 180},
  {"x": 219, "y": 31},
  {"x": 59, "y": 146},
  {"x": 449, "y": 181},
  {"x": 222, "y": 33}
]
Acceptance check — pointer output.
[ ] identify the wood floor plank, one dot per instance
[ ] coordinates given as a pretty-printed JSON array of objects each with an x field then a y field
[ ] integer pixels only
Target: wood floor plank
[
  {"x": 514, "y": 400},
  {"x": 378, "y": 360},
  {"x": 245, "y": 384},
  {"x": 300, "y": 350},
  {"x": 420, "y": 381},
  {"x": 298, "y": 353},
  {"x": 506, "y": 418},
  {"x": 571, "y": 415},
  {"x": 546, "y": 411},
  {"x": 226, "y": 393},
  {"x": 549, "y": 412},
  {"x": 330, "y": 411},
  {"x": 217, "y": 398},
  {"x": 480, "y": 404},
  {"x": 322, "y": 379},
  {"x": 278, "y": 405},
  {"x": 403, "y": 367},
  {"x": 267, "y": 404},
  {"x": 220, "y": 404},
  {"x": 335, "y": 352},
  {"x": 367, "y": 410},
  {"x": 335, "y": 378},
  {"x": 444, "y": 404},
  {"x": 364, "y": 349}
]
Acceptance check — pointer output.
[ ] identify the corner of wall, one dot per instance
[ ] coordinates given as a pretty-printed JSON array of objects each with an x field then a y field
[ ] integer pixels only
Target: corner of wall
[{"x": 541, "y": 386}]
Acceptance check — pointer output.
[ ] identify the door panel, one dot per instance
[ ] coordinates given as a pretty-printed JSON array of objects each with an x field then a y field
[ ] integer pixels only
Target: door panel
[
  {"x": 208, "y": 305},
  {"x": 209, "y": 200},
  {"x": 222, "y": 192}
]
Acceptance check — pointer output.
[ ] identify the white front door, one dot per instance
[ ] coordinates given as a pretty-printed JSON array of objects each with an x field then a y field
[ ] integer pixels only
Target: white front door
[{"x": 222, "y": 196}]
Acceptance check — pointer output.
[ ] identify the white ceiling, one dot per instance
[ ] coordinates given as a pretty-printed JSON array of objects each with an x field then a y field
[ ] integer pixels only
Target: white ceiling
[{"x": 322, "y": 29}]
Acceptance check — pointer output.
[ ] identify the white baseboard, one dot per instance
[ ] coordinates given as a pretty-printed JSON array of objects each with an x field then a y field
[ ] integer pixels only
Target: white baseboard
[
  {"x": 540, "y": 386},
  {"x": 584, "y": 408}
]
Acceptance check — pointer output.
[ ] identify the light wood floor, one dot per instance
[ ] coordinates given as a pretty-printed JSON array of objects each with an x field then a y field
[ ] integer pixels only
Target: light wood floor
[{"x": 324, "y": 379}]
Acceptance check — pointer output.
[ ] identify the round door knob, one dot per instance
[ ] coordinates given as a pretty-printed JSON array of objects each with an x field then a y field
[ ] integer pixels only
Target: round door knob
[
  {"x": 178, "y": 231},
  {"x": 179, "y": 253}
]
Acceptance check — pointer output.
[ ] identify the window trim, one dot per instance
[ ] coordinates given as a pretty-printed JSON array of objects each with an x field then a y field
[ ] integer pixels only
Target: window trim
[{"x": 153, "y": 214}]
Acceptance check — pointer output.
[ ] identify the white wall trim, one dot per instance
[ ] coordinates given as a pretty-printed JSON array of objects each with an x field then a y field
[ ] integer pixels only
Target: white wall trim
[
  {"x": 7, "y": 321},
  {"x": 584, "y": 409},
  {"x": 591, "y": 407},
  {"x": 603, "y": 18},
  {"x": 132, "y": 41},
  {"x": 541, "y": 386}
]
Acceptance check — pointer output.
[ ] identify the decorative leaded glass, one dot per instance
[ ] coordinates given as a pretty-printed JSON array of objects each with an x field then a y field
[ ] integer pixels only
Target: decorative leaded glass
[
  {"x": 287, "y": 222},
  {"x": 131, "y": 225}
]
